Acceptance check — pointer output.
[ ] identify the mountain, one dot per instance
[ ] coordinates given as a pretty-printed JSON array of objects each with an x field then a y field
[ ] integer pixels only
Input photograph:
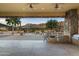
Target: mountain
[{"x": 42, "y": 25}]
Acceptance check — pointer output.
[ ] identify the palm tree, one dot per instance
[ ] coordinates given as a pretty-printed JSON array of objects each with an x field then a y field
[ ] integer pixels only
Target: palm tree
[{"x": 13, "y": 21}]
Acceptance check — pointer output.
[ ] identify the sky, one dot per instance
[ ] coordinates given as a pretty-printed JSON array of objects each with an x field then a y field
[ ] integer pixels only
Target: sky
[{"x": 33, "y": 20}]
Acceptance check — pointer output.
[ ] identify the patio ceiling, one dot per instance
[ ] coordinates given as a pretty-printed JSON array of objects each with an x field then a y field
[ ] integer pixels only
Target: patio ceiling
[{"x": 38, "y": 9}]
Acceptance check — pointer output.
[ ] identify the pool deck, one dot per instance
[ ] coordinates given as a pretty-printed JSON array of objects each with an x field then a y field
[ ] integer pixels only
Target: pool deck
[{"x": 34, "y": 45}]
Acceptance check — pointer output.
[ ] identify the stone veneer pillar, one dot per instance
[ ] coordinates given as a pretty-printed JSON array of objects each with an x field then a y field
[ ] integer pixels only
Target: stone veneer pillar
[{"x": 71, "y": 22}]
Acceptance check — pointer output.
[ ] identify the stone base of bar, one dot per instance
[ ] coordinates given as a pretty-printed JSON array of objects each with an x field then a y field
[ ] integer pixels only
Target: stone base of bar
[{"x": 64, "y": 40}]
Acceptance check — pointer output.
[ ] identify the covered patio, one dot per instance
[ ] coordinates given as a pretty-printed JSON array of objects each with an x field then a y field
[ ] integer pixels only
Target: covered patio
[{"x": 20, "y": 45}]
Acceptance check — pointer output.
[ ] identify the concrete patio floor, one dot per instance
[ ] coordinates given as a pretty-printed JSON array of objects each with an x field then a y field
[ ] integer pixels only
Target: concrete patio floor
[{"x": 34, "y": 45}]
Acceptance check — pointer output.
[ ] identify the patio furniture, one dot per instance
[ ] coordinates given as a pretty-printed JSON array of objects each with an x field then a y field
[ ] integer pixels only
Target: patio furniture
[{"x": 57, "y": 37}]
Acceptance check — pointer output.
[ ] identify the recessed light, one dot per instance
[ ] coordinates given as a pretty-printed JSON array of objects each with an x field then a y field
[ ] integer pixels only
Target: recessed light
[
  {"x": 35, "y": 8},
  {"x": 23, "y": 8},
  {"x": 42, "y": 8}
]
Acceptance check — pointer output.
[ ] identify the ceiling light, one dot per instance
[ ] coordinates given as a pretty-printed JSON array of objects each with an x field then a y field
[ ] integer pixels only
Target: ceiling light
[
  {"x": 31, "y": 6},
  {"x": 35, "y": 8},
  {"x": 57, "y": 6}
]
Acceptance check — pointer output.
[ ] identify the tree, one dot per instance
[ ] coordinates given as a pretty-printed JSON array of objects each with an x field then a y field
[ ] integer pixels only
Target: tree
[
  {"x": 52, "y": 24},
  {"x": 13, "y": 21}
]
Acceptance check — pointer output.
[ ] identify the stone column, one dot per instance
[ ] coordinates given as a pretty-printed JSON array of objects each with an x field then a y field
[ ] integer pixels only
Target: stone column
[{"x": 71, "y": 22}]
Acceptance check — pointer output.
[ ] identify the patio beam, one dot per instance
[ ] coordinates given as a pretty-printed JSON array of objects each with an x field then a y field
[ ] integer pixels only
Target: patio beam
[{"x": 32, "y": 14}]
